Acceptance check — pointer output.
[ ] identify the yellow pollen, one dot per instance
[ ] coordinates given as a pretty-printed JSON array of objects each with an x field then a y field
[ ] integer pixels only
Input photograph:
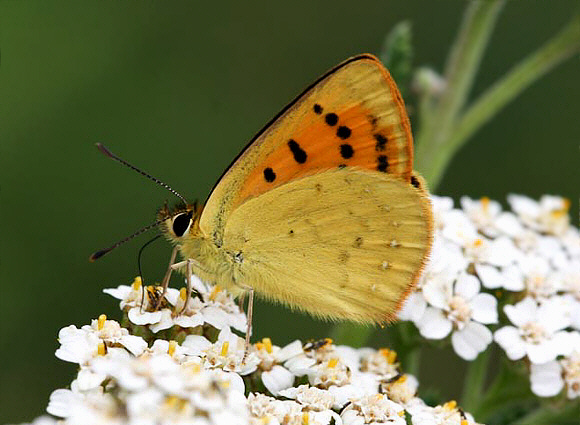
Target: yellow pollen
[
  {"x": 333, "y": 362},
  {"x": 259, "y": 346},
  {"x": 402, "y": 379},
  {"x": 464, "y": 422},
  {"x": 478, "y": 242},
  {"x": 195, "y": 367},
  {"x": 101, "y": 322},
  {"x": 567, "y": 204},
  {"x": 267, "y": 344},
  {"x": 225, "y": 347},
  {"x": 214, "y": 292},
  {"x": 225, "y": 384},
  {"x": 559, "y": 213},
  {"x": 137, "y": 282},
  {"x": 450, "y": 405},
  {"x": 172, "y": 347},
  {"x": 183, "y": 294},
  {"x": 484, "y": 202},
  {"x": 402, "y": 413},
  {"x": 305, "y": 419},
  {"x": 102, "y": 349}
]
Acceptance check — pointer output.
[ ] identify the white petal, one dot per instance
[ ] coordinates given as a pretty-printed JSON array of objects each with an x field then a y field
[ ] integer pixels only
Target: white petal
[
  {"x": 300, "y": 365},
  {"x": 467, "y": 286},
  {"x": 484, "y": 308},
  {"x": 121, "y": 292},
  {"x": 277, "y": 379},
  {"x": 437, "y": 292},
  {"x": 165, "y": 322},
  {"x": 87, "y": 379},
  {"x": 508, "y": 224},
  {"x": 189, "y": 321},
  {"x": 524, "y": 206},
  {"x": 565, "y": 342},
  {"x": 216, "y": 317},
  {"x": 509, "y": 339},
  {"x": 61, "y": 401},
  {"x": 546, "y": 379},
  {"x": 344, "y": 394},
  {"x": 289, "y": 351},
  {"x": 135, "y": 344},
  {"x": 195, "y": 345},
  {"x": 413, "y": 307},
  {"x": 489, "y": 275},
  {"x": 502, "y": 252},
  {"x": 434, "y": 325},
  {"x": 541, "y": 353},
  {"x": 143, "y": 318},
  {"x": 523, "y": 312},
  {"x": 471, "y": 340},
  {"x": 552, "y": 317},
  {"x": 513, "y": 279}
]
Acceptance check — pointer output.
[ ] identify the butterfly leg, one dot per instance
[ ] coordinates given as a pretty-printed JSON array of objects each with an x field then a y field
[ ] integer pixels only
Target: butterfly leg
[
  {"x": 188, "y": 271},
  {"x": 250, "y": 292},
  {"x": 165, "y": 282}
]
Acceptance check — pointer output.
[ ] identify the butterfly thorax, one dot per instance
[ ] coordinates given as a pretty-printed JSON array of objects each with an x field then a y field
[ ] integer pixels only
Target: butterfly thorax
[{"x": 211, "y": 263}]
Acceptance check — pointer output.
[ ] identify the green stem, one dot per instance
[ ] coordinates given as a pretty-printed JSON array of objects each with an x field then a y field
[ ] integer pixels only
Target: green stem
[
  {"x": 474, "y": 381},
  {"x": 565, "y": 44},
  {"x": 464, "y": 59},
  {"x": 436, "y": 149},
  {"x": 567, "y": 414}
]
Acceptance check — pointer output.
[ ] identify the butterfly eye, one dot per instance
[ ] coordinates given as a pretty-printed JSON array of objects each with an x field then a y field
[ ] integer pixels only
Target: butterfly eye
[{"x": 181, "y": 223}]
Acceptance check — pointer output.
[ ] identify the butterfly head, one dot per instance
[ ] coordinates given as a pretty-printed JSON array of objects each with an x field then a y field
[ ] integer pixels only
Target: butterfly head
[{"x": 179, "y": 221}]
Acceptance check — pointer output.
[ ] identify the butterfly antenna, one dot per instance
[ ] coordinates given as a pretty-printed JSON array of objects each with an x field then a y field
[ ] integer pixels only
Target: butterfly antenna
[
  {"x": 110, "y": 154},
  {"x": 100, "y": 253},
  {"x": 139, "y": 256}
]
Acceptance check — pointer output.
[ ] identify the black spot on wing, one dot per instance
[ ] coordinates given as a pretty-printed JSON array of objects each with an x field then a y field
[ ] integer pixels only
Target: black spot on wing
[
  {"x": 331, "y": 119},
  {"x": 381, "y": 144},
  {"x": 346, "y": 151},
  {"x": 317, "y": 109},
  {"x": 299, "y": 154},
  {"x": 343, "y": 132},
  {"x": 269, "y": 175},
  {"x": 382, "y": 163}
]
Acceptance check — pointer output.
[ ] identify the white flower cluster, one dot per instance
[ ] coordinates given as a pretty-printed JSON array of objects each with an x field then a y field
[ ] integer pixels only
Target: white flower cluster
[
  {"x": 191, "y": 369},
  {"x": 529, "y": 261}
]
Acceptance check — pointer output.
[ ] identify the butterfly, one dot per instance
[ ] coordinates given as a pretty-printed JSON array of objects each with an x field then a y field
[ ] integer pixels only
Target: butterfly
[{"x": 322, "y": 210}]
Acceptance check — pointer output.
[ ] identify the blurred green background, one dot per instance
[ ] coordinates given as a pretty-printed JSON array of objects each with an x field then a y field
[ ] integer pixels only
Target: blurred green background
[{"x": 178, "y": 87}]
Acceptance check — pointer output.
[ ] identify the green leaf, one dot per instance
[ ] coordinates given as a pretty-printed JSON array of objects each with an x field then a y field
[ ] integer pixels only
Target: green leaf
[
  {"x": 397, "y": 54},
  {"x": 510, "y": 390}
]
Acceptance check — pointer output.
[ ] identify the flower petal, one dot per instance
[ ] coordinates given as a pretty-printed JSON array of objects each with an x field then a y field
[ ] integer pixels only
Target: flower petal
[
  {"x": 509, "y": 339},
  {"x": 467, "y": 286},
  {"x": 277, "y": 379},
  {"x": 471, "y": 340},
  {"x": 434, "y": 324},
  {"x": 484, "y": 308},
  {"x": 546, "y": 379}
]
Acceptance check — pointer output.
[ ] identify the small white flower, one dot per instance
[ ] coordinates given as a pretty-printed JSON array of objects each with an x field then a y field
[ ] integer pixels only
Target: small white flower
[
  {"x": 548, "y": 379},
  {"x": 311, "y": 397},
  {"x": 373, "y": 409},
  {"x": 550, "y": 215},
  {"x": 483, "y": 212},
  {"x": 228, "y": 353},
  {"x": 537, "y": 332},
  {"x": 274, "y": 376},
  {"x": 462, "y": 309},
  {"x": 510, "y": 277}
]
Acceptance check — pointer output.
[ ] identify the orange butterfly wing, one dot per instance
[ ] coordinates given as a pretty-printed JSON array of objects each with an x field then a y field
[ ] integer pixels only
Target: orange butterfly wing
[{"x": 352, "y": 116}]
